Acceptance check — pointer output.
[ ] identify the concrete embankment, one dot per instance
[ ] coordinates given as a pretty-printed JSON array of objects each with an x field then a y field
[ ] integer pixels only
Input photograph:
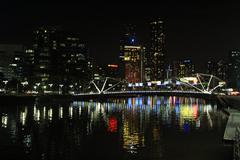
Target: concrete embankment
[{"x": 229, "y": 101}]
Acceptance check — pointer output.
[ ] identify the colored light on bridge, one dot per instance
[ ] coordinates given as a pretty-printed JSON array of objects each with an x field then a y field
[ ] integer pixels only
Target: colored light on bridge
[
  {"x": 189, "y": 80},
  {"x": 113, "y": 65},
  {"x": 130, "y": 85},
  {"x": 149, "y": 83},
  {"x": 112, "y": 126},
  {"x": 178, "y": 83},
  {"x": 158, "y": 83}
]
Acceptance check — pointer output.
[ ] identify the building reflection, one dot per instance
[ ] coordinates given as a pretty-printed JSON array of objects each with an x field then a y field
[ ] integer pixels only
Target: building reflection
[
  {"x": 62, "y": 130},
  {"x": 4, "y": 120}
]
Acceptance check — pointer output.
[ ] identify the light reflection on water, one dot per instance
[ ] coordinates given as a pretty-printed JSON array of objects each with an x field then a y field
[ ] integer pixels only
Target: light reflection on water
[{"x": 127, "y": 127}]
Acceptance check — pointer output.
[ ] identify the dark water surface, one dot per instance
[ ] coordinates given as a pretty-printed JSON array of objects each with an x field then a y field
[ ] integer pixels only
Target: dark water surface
[{"x": 142, "y": 128}]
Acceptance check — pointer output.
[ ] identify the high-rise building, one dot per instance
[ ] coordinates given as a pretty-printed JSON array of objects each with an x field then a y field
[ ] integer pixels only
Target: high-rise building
[
  {"x": 218, "y": 68},
  {"x": 112, "y": 70},
  {"x": 184, "y": 68},
  {"x": 12, "y": 56},
  {"x": 59, "y": 57},
  {"x": 128, "y": 38},
  {"x": 132, "y": 57},
  {"x": 133, "y": 61},
  {"x": 211, "y": 68},
  {"x": 29, "y": 63},
  {"x": 18, "y": 66},
  {"x": 222, "y": 70},
  {"x": 234, "y": 69},
  {"x": 156, "y": 55}
]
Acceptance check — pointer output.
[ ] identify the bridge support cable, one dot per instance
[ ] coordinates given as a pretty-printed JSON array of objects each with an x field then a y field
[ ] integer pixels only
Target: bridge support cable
[
  {"x": 206, "y": 83},
  {"x": 111, "y": 87},
  {"x": 104, "y": 84},
  {"x": 220, "y": 85},
  {"x": 200, "y": 82},
  {"x": 96, "y": 86},
  {"x": 209, "y": 82}
]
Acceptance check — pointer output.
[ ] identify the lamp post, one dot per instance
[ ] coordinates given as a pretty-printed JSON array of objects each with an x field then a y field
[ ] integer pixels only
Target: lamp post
[
  {"x": 5, "y": 86},
  {"x": 60, "y": 88},
  {"x": 37, "y": 87},
  {"x": 24, "y": 84},
  {"x": 50, "y": 85}
]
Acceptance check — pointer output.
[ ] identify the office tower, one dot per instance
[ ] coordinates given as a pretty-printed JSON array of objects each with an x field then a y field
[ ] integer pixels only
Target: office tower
[
  {"x": 222, "y": 70},
  {"x": 133, "y": 59},
  {"x": 128, "y": 38},
  {"x": 131, "y": 56},
  {"x": 156, "y": 55},
  {"x": 11, "y": 61},
  {"x": 211, "y": 68},
  {"x": 183, "y": 68},
  {"x": 59, "y": 56},
  {"x": 234, "y": 69}
]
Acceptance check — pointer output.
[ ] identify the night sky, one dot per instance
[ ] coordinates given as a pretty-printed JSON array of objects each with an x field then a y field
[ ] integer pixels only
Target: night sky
[{"x": 197, "y": 31}]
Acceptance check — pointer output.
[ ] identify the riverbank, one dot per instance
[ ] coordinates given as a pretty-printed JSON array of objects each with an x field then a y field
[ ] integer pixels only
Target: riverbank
[
  {"x": 17, "y": 99},
  {"x": 56, "y": 98}
]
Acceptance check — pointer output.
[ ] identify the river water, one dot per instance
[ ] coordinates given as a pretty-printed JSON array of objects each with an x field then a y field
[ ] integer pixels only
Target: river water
[{"x": 141, "y": 128}]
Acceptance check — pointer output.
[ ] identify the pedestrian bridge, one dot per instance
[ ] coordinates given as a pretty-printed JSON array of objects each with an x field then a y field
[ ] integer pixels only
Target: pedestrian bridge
[{"x": 197, "y": 84}]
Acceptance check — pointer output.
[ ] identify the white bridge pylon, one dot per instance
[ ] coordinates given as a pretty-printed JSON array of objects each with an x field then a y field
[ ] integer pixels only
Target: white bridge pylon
[
  {"x": 205, "y": 83},
  {"x": 103, "y": 89}
]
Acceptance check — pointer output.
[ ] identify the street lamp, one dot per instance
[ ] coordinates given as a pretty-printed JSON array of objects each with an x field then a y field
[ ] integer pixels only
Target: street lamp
[
  {"x": 50, "y": 85},
  {"x": 5, "y": 86},
  {"x": 60, "y": 88},
  {"x": 24, "y": 84}
]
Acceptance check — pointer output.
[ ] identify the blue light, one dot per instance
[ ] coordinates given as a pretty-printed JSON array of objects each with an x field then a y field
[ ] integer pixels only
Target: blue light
[
  {"x": 186, "y": 127},
  {"x": 132, "y": 40},
  {"x": 129, "y": 102}
]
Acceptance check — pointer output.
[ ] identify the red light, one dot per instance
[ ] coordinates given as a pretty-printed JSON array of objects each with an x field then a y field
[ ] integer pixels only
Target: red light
[
  {"x": 112, "y": 127},
  {"x": 195, "y": 111},
  {"x": 113, "y": 65}
]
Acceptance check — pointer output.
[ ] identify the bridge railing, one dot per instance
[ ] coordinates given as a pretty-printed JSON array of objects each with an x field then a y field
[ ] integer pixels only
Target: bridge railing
[{"x": 142, "y": 92}]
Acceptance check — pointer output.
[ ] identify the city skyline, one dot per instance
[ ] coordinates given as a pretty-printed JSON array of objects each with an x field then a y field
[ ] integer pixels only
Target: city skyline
[
  {"x": 192, "y": 30},
  {"x": 119, "y": 80}
]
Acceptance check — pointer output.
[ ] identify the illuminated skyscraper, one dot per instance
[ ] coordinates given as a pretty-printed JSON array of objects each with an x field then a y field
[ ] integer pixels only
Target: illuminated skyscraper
[
  {"x": 131, "y": 56},
  {"x": 128, "y": 38},
  {"x": 211, "y": 68},
  {"x": 183, "y": 68},
  {"x": 11, "y": 61},
  {"x": 218, "y": 69},
  {"x": 156, "y": 56},
  {"x": 222, "y": 68},
  {"x": 59, "y": 56},
  {"x": 234, "y": 69},
  {"x": 187, "y": 68},
  {"x": 133, "y": 61}
]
